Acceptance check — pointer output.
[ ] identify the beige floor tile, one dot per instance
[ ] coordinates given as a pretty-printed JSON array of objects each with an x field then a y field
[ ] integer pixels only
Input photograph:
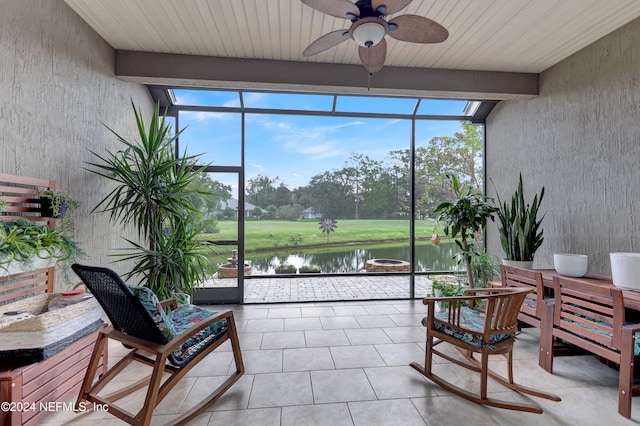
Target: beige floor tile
[
  {"x": 356, "y": 356},
  {"x": 264, "y": 325},
  {"x": 341, "y": 386},
  {"x": 236, "y": 398},
  {"x": 262, "y": 361},
  {"x": 367, "y": 336},
  {"x": 283, "y": 339},
  {"x": 399, "y": 382},
  {"x": 370, "y": 321},
  {"x": 380, "y": 309},
  {"x": 350, "y": 310},
  {"x": 317, "y": 415},
  {"x": 406, "y": 334},
  {"x": 339, "y": 322},
  {"x": 387, "y": 412},
  {"x": 304, "y": 359},
  {"x": 280, "y": 389},
  {"x": 316, "y": 338},
  {"x": 323, "y": 311},
  {"x": 407, "y": 320},
  {"x": 302, "y": 324},
  {"x": 401, "y": 353},
  {"x": 284, "y": 313},
  {"x": 262, "y": 417}
]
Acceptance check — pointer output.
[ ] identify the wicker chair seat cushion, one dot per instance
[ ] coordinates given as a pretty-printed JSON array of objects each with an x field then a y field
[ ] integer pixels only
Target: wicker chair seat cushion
[{"x": 471, "y": 320}]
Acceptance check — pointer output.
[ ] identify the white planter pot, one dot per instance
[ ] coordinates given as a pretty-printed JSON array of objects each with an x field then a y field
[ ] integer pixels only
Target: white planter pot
[
  {"x": 528, "y": 264},
  {"x": 625, "y": 270},
  {"x": 12, "y": 268}
]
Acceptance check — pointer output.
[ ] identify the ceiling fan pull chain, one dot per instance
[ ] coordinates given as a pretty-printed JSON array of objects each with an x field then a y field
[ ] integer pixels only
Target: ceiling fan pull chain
[{"x": 370, "y": 74}]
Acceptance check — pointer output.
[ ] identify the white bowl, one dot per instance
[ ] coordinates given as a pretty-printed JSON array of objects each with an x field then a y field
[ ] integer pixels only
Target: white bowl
[
  {"x": 625, "y": 270},
  {"x": 570, "y": 265}
]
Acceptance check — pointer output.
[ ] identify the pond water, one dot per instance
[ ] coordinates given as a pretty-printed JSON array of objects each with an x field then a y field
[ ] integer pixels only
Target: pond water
[{"x": 352, "y": 259}]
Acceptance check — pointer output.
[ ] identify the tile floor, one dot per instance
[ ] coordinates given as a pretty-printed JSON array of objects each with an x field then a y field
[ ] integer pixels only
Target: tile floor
[{"x": 347, "y": 363}]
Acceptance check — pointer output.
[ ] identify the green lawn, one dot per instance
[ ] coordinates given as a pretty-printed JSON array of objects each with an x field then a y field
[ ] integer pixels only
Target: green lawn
[{"x": 267, "y": 234}]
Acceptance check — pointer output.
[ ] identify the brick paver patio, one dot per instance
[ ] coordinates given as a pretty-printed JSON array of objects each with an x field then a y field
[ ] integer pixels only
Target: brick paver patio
[{"x": 318, "y": 288}]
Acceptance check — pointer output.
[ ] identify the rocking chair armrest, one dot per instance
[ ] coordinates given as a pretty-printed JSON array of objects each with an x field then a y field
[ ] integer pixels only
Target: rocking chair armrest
[
  {"x": 181, "y": 338},
  {"x": 154, "y": 348},
  {"x": 631, "y": 328},
  {"x": 432, "y": 300},
  {"x": 489, "y": 291},
  {"x": 172, "y": 303}
]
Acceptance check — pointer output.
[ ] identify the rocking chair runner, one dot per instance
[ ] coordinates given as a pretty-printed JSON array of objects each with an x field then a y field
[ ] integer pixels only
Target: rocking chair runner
[
  {"x": 171, "y": 343},
  {"x": 482, "y": 321}
]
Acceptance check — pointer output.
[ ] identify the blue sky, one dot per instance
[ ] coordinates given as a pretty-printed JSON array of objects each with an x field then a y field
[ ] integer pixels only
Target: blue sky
[{"x": 295, "y": 148}]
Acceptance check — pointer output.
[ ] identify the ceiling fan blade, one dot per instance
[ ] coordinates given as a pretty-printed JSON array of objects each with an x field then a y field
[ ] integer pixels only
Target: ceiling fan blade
[
  {"x": 391, "y": 6},
  {"x": 325, "y": 42},
  {"x": 417, "y": 29},
  {"x": 337, "y": 8},
  {"x": 373, "y": 57}
]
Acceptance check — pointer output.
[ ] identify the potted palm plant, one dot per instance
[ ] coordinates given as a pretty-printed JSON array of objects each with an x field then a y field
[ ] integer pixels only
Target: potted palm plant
[
  {"x": 155, "y": 191},
  {"x": 519, "y": 228},
  {"x": 465, "y": 215}
]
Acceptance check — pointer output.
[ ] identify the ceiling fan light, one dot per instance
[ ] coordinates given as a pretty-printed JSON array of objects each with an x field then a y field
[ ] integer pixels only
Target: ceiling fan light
[{"x": 369, "y": 34}]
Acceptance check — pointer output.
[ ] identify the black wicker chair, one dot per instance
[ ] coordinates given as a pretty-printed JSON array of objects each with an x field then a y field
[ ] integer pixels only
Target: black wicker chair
[{"x": 171, "y": 343}]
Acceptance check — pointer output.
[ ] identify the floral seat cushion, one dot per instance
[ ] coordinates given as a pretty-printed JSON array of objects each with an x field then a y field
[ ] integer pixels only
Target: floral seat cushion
[
  {"x": 636, "y": 339},
  {"x": 151, "y": 303},
  {"x": 179, "y": 320},
  {"x": 470, "y": 319},
  {"x": 185, "y": 317}
]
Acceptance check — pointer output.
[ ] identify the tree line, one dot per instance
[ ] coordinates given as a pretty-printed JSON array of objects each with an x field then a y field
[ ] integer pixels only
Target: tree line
[{"x": 363, "y": 188}]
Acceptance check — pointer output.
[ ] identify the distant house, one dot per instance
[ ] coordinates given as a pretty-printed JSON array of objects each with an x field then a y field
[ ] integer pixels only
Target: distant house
[
  {"x": 310, "y": 213},
  {"x": 233, "y": 204}
]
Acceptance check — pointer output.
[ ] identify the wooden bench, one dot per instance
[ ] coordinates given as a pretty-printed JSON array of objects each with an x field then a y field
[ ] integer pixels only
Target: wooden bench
[
  {"x": 39, "y": 386},
  {"x": 591, "y": 317}
]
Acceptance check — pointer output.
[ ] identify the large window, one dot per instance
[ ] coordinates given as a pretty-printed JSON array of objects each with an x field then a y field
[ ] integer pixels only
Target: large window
[{"x": 328, "y": 179}]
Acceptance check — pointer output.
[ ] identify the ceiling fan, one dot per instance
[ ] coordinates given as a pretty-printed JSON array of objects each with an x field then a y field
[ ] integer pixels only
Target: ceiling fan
[{"x": 369, "y": 27}]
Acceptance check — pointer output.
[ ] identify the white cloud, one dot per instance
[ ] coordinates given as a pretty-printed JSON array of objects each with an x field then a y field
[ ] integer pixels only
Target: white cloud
[{"x": 206, "y": 116}]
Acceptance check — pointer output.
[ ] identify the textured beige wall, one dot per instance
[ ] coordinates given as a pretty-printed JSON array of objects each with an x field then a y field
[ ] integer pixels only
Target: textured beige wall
[
  {"x": 57, "y": 84},
  {"x": 581, "y": 140}
]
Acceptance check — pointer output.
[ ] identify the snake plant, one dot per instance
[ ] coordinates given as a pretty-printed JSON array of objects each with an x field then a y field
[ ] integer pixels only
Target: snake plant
[{"x": 519, "y": 227}]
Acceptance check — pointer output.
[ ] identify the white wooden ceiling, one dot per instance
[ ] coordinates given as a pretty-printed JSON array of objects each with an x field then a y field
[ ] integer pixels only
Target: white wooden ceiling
[{"x": 492, "y": 35}]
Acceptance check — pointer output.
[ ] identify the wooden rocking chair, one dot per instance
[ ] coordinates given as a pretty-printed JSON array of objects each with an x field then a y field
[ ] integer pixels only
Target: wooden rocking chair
[
  {"x": 531, "y": 309},
  {"x": 482, "y": 321},
  {"x": 171, "y": 343}
]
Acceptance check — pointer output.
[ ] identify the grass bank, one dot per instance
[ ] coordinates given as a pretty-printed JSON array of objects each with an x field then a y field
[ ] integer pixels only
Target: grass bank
[{"x": 267, "y": 234}]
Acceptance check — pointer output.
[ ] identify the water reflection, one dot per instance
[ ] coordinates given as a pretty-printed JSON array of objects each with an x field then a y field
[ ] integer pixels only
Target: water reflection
[{"x": 428, "y": 257}]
